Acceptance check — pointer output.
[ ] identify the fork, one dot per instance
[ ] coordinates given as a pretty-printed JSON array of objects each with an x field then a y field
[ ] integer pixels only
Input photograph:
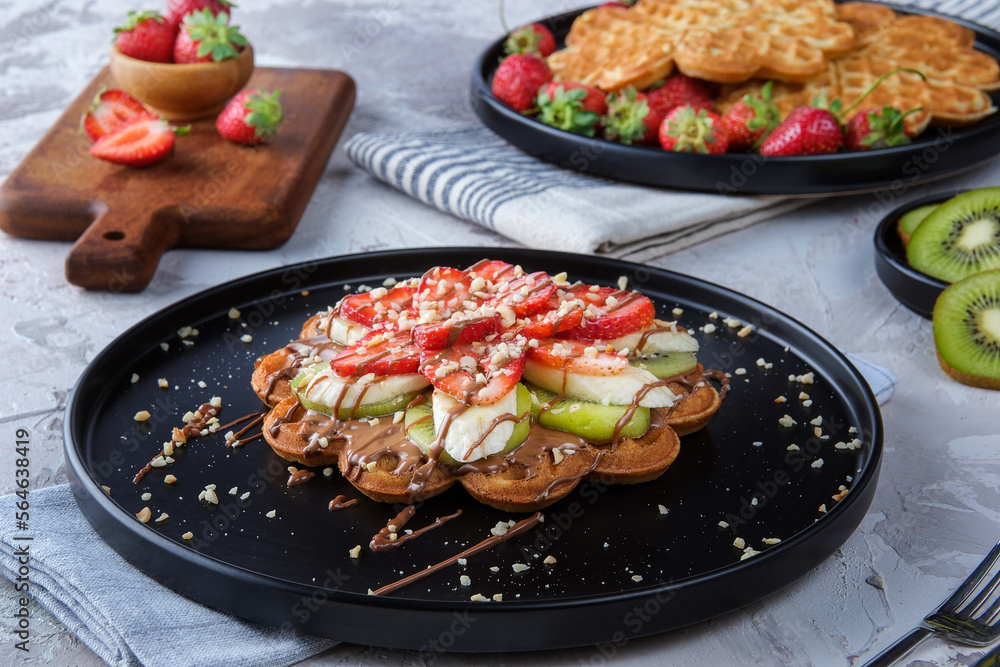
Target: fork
[{"x": 970, "y": 616}]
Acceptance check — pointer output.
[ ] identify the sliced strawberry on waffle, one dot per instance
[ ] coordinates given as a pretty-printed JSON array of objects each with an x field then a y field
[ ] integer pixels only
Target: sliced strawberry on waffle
[
  {"x": 381, "y": 353},
  {"x": 458, "y": 329},
  {"x": 610, "y": 313},
  {"x": 371, "y": 308},
  {"x": 557, "y": 316},
  {"x": 476, "y": 373}
]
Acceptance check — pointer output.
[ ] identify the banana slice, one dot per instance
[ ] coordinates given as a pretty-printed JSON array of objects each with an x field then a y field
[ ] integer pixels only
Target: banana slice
[
  {"x": 664, "y": 337},
  {"x": 326, "y": 388},
  {"x": 468, "y": 426},
  {"x": 618, "y": 389},
  {"x": 344, "y": 331}
]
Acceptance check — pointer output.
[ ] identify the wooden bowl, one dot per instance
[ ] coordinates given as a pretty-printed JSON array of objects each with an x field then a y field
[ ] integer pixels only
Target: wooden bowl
[{"x": 182, "y": 92}]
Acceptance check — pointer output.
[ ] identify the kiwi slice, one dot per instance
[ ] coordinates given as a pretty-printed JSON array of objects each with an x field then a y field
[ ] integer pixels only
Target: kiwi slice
[
  {"x": 364, "y": 411},
  {"x": 967, "y": 330},
  {"x": 591, "y": 421},
  {"x": 666, "y": 364},
  {"x": 910, "y": 220},
  {"x": 959, "y": 238},
  {"x": 419, "y": 425}
]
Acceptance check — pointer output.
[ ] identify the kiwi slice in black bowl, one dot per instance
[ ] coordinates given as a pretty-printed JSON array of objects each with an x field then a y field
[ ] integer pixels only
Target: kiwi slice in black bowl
[
  {"x": 910, "y": 220},
  {"x": 959, "y": 238},
  {"x": 967, "y": 329}
]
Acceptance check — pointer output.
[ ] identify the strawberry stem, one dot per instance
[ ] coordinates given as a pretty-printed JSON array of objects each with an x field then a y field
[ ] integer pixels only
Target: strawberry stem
[{"x": 875, "y": 84}]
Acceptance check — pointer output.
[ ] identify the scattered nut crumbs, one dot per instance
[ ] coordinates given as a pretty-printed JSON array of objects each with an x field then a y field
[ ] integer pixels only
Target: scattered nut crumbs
[
  {"x": 463, "y": 561},
  {"x": 498, "y": 597},
  {"x": 164, "y": 346},
  {"x": 723, "y": 524},
  {"x": 201, "y": 384},
  {"x": 478, "y": 597},
  {"x": 141, "y": 416},
  {"x": 271, "y": 514},
  {"x": 144, "y": 515},
  {"x": 107, "y": 489},
  {"x": 663, "y": 510},
  {"x": 245, "y": 495},
  {"x": 740, "y": 371},
  {"x": 163, "y": 517},
  {"x": 748, "y": 552},
  {"x": 852, "y": 430},
  {"x": 550, "y": 560},
  {"x": 494, "y": 569},
  {"x": 622, "y": 282},
  {"x": 757, "y": 443},
  {"x": 187, "y": 536},
  {"x": 839, "y": 496},
  {"x": 677, "y": 312},
  {"x": 771, "y": 540},
  {"x": 787, "y": 421},
  {"x": 805, "y": 378},
  {"x": 817, "y": 422},
  {"x": 464, "y": 580},
  {"x": 637, "y": 578},
  {"x": 708, "y": 328},
  {"x": 234, "y": 314},
  {"x": 822, "y": 508},
  {"x": 233, "y": 491},
  {"x": 135, "y": 378},
  {"x": 162, "y": 383},
  {"x": 780, "y": 399},
  {"x": 745, "y": 331},
  {"x": 327, "y": 471},
  {"x": 519, "y": 567},
  {"x": 246, "y": 338},
  {"x": 818, "y": 463},
  {"x": 731, "y": 322},
  {"x": 739, "y": 543},
  {"x": 499, "y": 529},
  {"x": 170, "y": 479},
  {"x": 355, "y": 552},
  {"x": 713, "y": 315},
  {"x": 146, "y": 496}
]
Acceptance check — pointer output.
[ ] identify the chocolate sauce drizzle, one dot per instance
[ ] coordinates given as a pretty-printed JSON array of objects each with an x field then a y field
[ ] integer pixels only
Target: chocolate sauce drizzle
[
  {"x": 518, "y": 528},
  {"x": 390, "y": 536},
  {"x": 341, "y": 503},
  {"x": 190, "y": 430}
]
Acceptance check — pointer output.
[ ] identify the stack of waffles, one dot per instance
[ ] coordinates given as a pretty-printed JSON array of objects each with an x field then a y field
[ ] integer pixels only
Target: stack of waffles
[{"x": 807, "y": 48}]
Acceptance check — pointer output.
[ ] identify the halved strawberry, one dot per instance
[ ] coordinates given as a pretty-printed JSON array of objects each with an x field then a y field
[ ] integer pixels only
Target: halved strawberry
[
  {"x": 381, "y": 353},
  {"x": 456, "y": 330},
  {"x": 371, "y": 308},
  {"x": 610, "y": 313},
  {"x": 492, "y": 270},
  {"x": 558, "y": 315},
  {"x": 476, "y": 373},
  {"x": 527, "y": 295},
  {"x": 109, "y": 109},
  {"x": 144, "y": 140}
]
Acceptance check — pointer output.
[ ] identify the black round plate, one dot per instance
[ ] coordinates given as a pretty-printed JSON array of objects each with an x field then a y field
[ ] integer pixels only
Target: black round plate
[
  {"x": 937, "y": 153},
  {"x": 915, "y": 290},
  {"x": 623, "y": 567}
]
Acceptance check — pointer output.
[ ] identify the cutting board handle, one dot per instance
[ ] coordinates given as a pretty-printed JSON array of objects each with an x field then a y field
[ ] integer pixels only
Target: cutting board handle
[{"x": 120, "y": 250}]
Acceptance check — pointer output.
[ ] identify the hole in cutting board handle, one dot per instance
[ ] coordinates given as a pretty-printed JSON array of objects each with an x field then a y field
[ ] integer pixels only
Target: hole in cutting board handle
[{"x": 114, "y": 236}]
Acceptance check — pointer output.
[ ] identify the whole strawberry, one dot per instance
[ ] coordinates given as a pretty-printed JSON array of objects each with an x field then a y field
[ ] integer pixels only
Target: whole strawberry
[
  {"x": 517, "y": 80},
  {"x": 146, "y": 36},
  {"x": 751, "y": 119},
  {"x": 534, "y": 38},
  {"x": 690, "y": 130},
  {"x": 109, "y": 109},
  {"x": 679, "y": 90},
  {"x": 631, "y": 119},
  {"x": 205, "y": 37},
  {"x": 573, "y": 107},
  {"x": 807, "y": 130},
  {"x": 178, "y": 9},
  {"x": 252, "y": 117},
  {"x": 876, "y": 128}
]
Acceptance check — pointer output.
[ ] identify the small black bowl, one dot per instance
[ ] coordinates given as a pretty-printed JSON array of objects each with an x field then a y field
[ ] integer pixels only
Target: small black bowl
[{"x": 915, "y": 290}]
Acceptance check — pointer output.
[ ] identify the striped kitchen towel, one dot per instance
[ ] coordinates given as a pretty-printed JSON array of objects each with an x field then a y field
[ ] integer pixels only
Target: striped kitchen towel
[{"x": 471, "y": 173}]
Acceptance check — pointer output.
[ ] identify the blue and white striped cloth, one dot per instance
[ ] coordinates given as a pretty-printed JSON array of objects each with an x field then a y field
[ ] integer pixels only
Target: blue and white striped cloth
[{"x": 474, "y": 175}]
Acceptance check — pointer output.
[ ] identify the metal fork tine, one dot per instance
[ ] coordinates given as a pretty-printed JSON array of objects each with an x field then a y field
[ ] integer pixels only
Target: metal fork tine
[
  {"x": 973, "y": 605},
  {"x": 974, "y": 579}
]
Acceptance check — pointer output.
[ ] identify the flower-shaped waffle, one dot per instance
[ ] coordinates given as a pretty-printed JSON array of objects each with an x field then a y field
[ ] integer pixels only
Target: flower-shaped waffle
[{"x": 515, "y": 385}]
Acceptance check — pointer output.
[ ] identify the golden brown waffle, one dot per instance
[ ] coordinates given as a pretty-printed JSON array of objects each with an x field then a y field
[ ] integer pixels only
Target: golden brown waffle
[{"x": 724, "y": 41}]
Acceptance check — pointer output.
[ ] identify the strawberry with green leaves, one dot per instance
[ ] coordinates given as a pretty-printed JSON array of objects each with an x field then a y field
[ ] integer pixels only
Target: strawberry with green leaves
[
  {"x": 517, "y": 80},
  {"x": 109, "y": 109},
  {"x": 178, "y": 9},
  {"x": 573, "y": 107},
  {"x": 534, "y": 38},
  {"x": 751, "y": 119},
  {"x": 631, "y": 119},
  {"x": 252, "y": 117},
  {"x": 690, "y": 130},
  {"x": 877, "y": 128},
  {"x": 205, "y": 37},
  {"x": 146, "y": 36},
  {"x": 139, "y": 142}
]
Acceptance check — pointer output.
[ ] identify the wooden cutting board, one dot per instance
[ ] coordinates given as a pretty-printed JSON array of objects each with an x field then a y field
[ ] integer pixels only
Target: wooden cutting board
[{"x": 211, "y": 193}]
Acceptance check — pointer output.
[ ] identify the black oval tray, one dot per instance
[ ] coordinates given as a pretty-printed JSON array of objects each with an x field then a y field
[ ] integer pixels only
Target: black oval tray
[
  {"x": 914, "y": 289},
  {"x": 294, "y": 570},
  {"x": 937, "y": 153}
]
